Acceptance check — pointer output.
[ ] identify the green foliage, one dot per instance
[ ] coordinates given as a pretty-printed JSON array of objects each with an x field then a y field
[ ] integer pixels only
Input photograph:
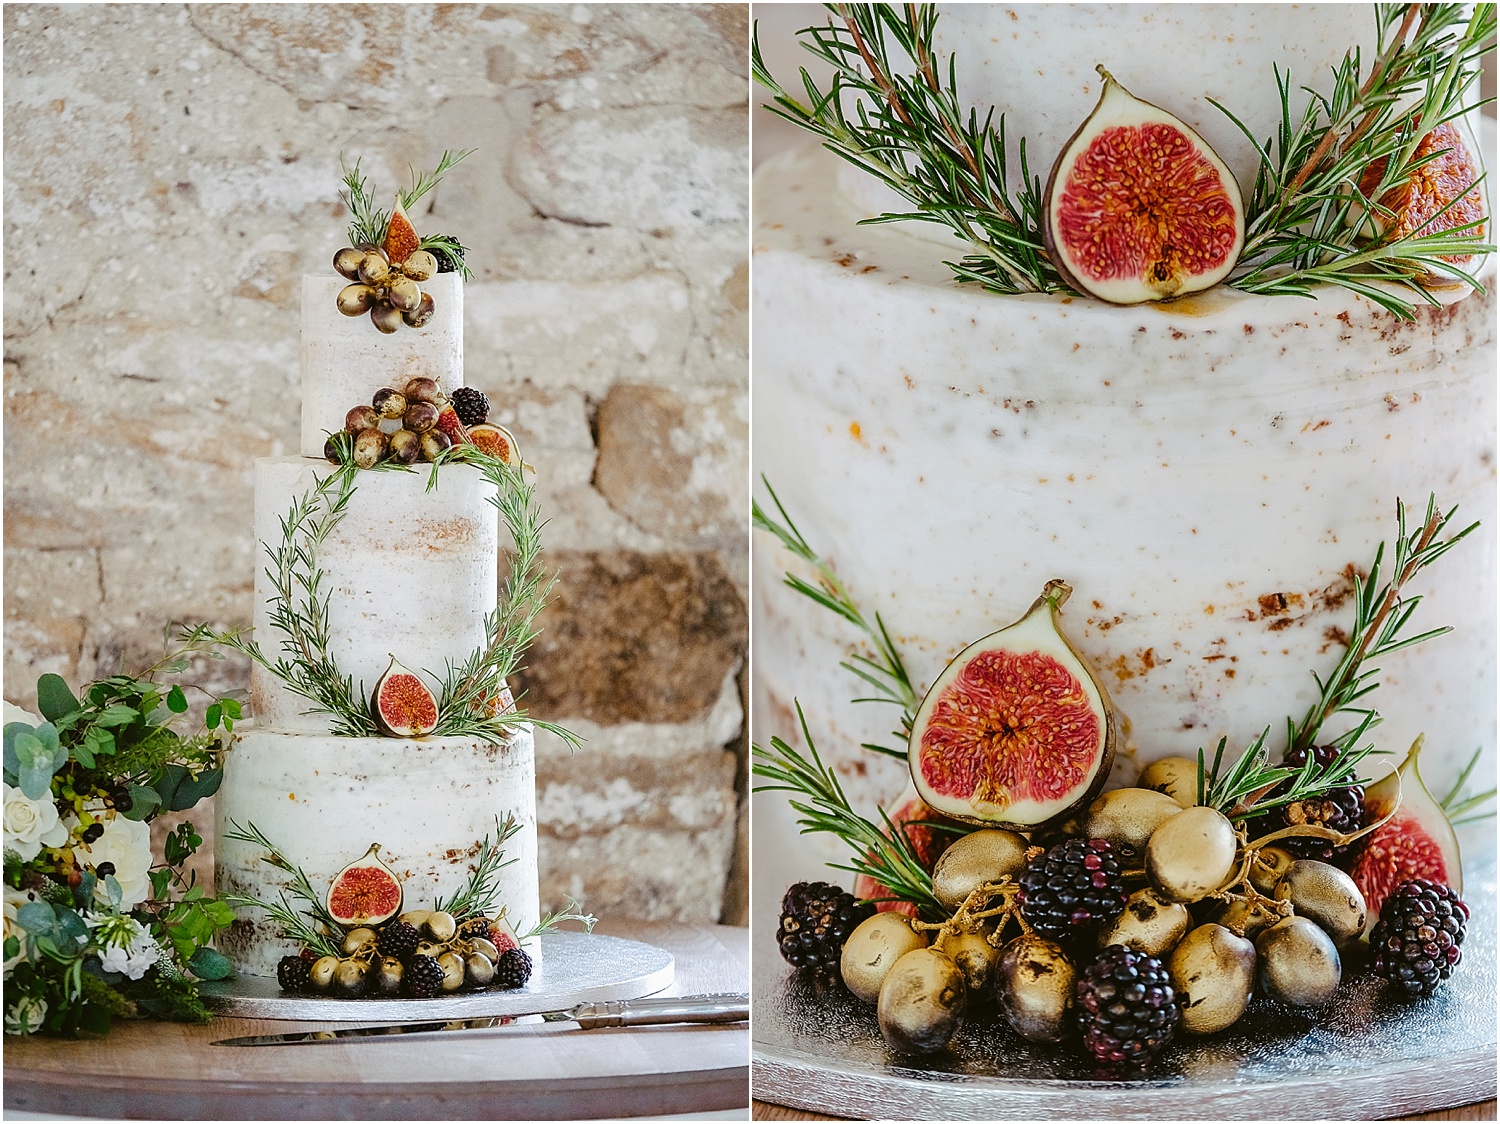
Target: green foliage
[
  {"x": 166, "y": 995},
  {"x": 480, "y": 891},
  {"x": 368, "y": 222},
  {"x": 293, "y": 925},
  {"x": 573, "y": 911}
]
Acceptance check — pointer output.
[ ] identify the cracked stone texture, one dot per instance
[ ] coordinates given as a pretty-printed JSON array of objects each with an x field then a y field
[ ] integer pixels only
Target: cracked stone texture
[{"x": 172, "y": 171}]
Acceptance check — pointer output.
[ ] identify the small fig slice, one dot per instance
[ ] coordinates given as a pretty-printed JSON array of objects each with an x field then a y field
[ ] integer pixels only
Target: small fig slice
[
  {"x": 1416, "y": 842},
  {"x": 1139, "y": 207},
  {"x": 502, "y": 936},
  {"x": 402, "y": 705},
  {"x": 401, "y": 239},
  {"x": 366, "y": 892},
  {"x": 498, "y": 442},
  {"x": 1018, "y": 730},
  {"x": 1447, "y": 179}
]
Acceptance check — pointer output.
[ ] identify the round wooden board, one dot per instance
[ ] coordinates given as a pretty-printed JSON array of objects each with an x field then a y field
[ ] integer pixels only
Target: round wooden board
[{"x": 169, "y": 1070}]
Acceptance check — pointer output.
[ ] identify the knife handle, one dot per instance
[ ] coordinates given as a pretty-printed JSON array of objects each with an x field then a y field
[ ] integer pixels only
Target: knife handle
[{"x": 646, "y": 1012}]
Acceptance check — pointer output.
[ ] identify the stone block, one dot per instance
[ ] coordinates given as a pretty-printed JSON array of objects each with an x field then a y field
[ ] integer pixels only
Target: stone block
[{"x": 634, "y": 637}]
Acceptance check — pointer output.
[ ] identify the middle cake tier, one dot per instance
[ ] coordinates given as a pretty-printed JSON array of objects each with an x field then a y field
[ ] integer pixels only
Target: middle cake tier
[{"x": 408, "y": 573}]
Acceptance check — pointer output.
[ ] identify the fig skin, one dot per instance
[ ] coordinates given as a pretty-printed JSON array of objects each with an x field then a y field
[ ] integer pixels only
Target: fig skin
[
  {"x": 1129, "y": 816},
  {"x": 921, "y": 1002},
  {"x": 1189, "y": 856},
  {"x": 1149, "y": 923},
  {"x": 1175, "y": 776},
  {"x": 1299, "y": 965},
  {"x": 344, "y": 899},
  {"x": 1327, "y": 896},
  {"x": 1036, "y": 633},
  {"x": 1181, "y": 267},
  {"x": 981, "y": 856},
  {"x": 1213, "y": 971},
  {"x": 871, "y": 951},
  {"x": 1034, "y": 984}
]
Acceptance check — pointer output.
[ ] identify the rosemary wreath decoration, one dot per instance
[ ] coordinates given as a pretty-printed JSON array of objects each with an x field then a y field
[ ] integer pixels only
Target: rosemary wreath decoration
[
  {"x": 299, "y": 606},
  {"x": 1307, "y": 221}
]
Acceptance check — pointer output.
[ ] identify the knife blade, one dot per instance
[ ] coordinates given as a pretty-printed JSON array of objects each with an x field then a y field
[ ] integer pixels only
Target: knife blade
[{"x": 588, "y": 1016}]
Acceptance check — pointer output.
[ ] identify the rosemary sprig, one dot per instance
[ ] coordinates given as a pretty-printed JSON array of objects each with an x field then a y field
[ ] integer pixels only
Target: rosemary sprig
[
  {"x": 1307, "y": 222},
  {"x": 908, "y": 130},
  {"x": 299, "y": 886},
  {"x": 479, "y": 892},
  {"x": 1461, "y": 809},
  {"x": 423, "y": 182},
  {"x": 470, "y": 688},
  {"x": 1381, "y": 612},
  {"x": 450, "y": 248},
  {"x": 1243, "y": 792},
  {"x": 886, "y": 855},
  {"x": 367, "y": 223},
  {"x": 573, "y": 911},
  {"x": 886, "y": 673}
]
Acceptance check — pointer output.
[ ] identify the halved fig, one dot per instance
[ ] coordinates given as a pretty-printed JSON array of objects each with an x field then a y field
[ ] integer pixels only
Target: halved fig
[
  {"x": 1018, "y": 730},
  {"x": 402, "y": 705},
  {"x": 1416, "y": 842},
  {"x": 401, "y": 239},
  {"x": 1416, "y": 204},
  {"x": 1139, "y": 207},
  {"x": 910, "y": 815},
  {"x": 497, "y": 441},
  {"x": 366, "y": 892}
]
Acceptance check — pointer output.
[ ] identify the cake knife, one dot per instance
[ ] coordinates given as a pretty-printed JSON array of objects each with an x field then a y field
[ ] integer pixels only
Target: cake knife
[{"x": 588, "y": 1016}]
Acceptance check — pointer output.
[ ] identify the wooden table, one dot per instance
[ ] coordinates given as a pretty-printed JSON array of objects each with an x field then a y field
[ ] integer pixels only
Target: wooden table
[
  {"x": 169, "y": 1070},
  {"x": 1484, "y": 1110}
]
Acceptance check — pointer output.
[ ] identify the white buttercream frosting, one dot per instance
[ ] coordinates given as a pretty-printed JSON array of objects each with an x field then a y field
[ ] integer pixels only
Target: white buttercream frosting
[
  {"x": 428, "y": 802},
  {"x": 1203, "y": 473},
  {"x": 410, "y": 573},
  {"x": 346, "y": 359}
]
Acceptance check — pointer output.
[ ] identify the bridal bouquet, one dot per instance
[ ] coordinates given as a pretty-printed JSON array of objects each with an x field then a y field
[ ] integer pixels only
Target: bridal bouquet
[{"x": 96, "y": 925}]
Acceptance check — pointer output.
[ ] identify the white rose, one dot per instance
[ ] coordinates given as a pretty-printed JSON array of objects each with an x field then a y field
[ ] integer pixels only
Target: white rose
[
  {"x": 31, "y": 824},
  {"x": 126, "y": 846},
  {"x": 14, "y": 900},
  {"x": 26, "y": 1016},
  {"x": 9, "y": 713}
]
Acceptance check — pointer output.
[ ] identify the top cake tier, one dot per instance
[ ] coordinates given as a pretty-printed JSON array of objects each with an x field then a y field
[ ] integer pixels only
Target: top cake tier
[
  {"x": 1035, "y": 64},
  {"x": 346, "y": 359}
]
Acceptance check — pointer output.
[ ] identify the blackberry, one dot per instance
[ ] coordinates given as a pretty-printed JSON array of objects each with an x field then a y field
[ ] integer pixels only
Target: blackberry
[
  {"x": 1416, "y": 940},
  {"x": 398, "y": 939},
  {"x": 1071, "y": 890},
  {"x": 513, "y": 970},
  {"x": 422, "y": 978},
  {"x": 816, "y": 920},
  {"x": 1342, "y": 809},
  {"x": 471, "y": 406},
  {"x": 448, "y": 260},
  {"x": 1127, "y": 1007},
  {"x": 292, "y": 973}
]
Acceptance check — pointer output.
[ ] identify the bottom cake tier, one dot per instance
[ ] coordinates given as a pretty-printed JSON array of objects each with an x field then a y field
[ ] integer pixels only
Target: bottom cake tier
[{"x": 322, "y": 800}]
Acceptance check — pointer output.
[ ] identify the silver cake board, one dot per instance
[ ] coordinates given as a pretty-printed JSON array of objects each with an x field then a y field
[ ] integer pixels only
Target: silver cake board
[
  {"x": 1366, "y": 1056},
  {"x": 576, "y": 968}
]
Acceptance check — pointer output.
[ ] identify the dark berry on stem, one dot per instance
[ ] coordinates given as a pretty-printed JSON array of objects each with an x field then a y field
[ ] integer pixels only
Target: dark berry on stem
[
  {"x": 471, "y": 406},
  {"x": 1341, "y": 809}
]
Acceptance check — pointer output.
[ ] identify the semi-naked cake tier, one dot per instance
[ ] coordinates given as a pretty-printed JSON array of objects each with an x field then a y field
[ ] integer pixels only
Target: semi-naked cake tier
[
  {"x": 345, "y": 359},
  {"x": 409, "y": 573},
  {"x": 428, "y": 802},
  {"x": 1206, "y": 474}
]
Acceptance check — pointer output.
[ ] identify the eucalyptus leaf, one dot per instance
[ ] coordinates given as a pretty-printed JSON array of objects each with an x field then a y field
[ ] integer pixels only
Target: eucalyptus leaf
[
  {"x": 37, "y": 918},
  {"x": 100, "y": 742},
  {"x": 210, "y": 964},
  {"x": 176, "y": 700},
  {"x": 117, "y": 714},
  {"x": 12, "y": 947},
  {"x": 53, "y": 698},
  {"x": 34, "y": 772},
  {"x": 113, "y": 891},
  {"x": 167, "y": 784},
  {"x": 85, "y": 893},
  {"x": 72, "y": 925}
]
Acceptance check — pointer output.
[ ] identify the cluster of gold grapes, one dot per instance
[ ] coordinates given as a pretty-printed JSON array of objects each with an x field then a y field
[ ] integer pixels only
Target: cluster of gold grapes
[{"x": 385, "y": 288}]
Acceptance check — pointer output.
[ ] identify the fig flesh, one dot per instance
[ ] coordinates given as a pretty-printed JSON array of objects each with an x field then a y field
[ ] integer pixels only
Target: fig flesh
[
  {"x": 402, "y": 705},
  {"x": 1139, "y": 207},
  {"x": 1416, "y": 842},
  {"x": 1018, "y": 730},
  {"x": 1440, "y": 193},
  {"x": 366, "y": 892}
]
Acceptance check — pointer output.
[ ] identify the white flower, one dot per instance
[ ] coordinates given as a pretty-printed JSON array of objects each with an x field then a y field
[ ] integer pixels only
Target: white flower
[
  {"x": 124, "y": 945},
  {"x": 9, "y": 713},
  {"x": 14, "y": 900},
  {"x": 26, "y": 1015},
  {"x": 126, "y": 846},
  {"x": 31, "y": 824}
]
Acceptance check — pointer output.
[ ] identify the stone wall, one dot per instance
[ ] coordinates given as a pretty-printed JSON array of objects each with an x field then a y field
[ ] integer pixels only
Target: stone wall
[{"x": 171, "y": 172}]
